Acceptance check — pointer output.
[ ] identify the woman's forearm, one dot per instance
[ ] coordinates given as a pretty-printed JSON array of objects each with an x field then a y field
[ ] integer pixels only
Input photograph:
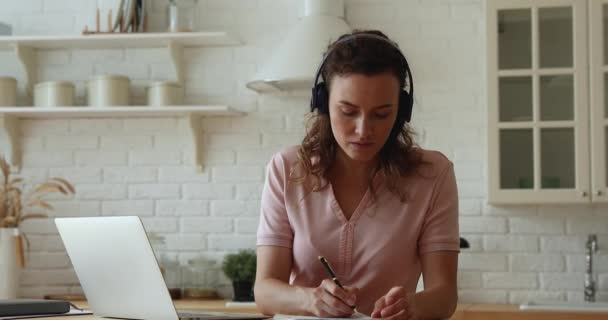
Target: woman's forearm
[
  {"x": 434, "y": 303},
  {"x": 273, "y": 296}
]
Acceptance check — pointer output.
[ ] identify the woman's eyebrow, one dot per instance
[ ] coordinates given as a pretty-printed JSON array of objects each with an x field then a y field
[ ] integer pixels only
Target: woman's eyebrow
[{"x": 387, "y": 105}]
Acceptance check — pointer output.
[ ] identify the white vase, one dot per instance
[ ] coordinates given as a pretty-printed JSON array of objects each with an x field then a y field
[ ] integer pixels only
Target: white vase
[{"x": 9, "y": 269}]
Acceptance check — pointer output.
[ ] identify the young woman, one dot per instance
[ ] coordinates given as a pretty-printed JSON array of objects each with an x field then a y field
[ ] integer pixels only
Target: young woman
[{"x": 360, "y": 193}]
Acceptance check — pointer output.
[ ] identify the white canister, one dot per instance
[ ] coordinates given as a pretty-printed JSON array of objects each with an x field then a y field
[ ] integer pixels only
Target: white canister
[
  {"x": 9, "y": 267},
  {"x": 8, "y": 91},
  {"x": 53, "y": 94},
  {"x": 108, "y": 90},
  {"x": 165, "y": 93}
]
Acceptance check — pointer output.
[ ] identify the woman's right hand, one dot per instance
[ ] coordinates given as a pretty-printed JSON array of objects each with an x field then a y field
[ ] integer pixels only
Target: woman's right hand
[{"x": 329, "y": 300}]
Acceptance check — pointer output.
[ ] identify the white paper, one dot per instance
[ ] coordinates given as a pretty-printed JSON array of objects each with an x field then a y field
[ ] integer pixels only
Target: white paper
[
  {"x": 234, "y": 304},
  {"x": 356, "y": 315},
  {"x": 70, "y": 313}
]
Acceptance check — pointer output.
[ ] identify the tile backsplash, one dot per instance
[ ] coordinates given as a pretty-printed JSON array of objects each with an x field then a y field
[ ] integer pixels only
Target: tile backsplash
[{"x": 145, "y": 167}]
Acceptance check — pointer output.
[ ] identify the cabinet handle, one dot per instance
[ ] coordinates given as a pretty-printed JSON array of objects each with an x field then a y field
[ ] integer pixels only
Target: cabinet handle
[
  {"x": 599, "y": 193},
  {"x": 584, "y": 194}
]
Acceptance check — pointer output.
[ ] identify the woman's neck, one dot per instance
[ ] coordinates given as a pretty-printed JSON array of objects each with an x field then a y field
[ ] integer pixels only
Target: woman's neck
[{"x": 344, "y": 166}]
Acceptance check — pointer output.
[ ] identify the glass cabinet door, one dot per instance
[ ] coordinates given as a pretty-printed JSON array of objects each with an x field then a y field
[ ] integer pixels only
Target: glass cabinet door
[
  {"x": 599, "y": 98},
  {"x": 538, "y": 114}
]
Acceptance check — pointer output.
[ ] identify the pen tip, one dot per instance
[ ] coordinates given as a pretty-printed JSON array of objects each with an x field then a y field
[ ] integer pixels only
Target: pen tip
[{"x": 320, "y": 257}]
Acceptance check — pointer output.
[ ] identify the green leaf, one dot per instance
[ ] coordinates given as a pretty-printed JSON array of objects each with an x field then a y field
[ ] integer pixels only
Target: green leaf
[{"x": 240, "y": 266}]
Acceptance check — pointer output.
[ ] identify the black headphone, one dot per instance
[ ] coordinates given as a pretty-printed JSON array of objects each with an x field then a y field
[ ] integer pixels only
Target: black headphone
[{"x": 320, "y": 93}]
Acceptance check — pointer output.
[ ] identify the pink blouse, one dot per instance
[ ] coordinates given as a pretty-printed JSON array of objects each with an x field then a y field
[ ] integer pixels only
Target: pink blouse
[{"x": 380, "y": 246}]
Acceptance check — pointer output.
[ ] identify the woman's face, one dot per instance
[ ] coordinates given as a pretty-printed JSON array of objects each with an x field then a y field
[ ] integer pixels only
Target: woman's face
[{"x": 362, "y": 111}]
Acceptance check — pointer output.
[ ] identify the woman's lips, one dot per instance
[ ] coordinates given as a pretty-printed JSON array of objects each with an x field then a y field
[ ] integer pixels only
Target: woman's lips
[{"x": 362, "y": 145}]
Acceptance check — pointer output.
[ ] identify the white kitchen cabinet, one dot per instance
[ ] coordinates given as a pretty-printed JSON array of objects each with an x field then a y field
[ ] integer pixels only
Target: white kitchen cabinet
[
  {"x": 546, "y": 80},
  {"x": 25, "y": 46},
  {"x": 599, "y": 99}
]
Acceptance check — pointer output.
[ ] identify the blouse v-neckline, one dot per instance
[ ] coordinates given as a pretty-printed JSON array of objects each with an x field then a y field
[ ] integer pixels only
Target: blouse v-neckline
[
  {"x": 338, "y": 209},
  {"x": 361, "y": 206}
]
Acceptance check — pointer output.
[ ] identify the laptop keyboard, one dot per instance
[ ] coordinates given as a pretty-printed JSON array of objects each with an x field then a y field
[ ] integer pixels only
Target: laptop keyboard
[{"x": 188, "y": 315}]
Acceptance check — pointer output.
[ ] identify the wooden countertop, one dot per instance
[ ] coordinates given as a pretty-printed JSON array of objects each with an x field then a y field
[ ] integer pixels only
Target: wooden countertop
[
  {"x": 206, "y": 305},
  {"x": 463, "y": 312}
]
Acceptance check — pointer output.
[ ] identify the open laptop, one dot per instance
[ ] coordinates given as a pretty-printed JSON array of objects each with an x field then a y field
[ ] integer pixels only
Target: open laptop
[{"x": 118, "y": 272}]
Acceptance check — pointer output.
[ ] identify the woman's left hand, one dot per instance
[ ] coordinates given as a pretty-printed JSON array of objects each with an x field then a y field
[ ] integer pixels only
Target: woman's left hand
[{"x": 395, "y": 305}]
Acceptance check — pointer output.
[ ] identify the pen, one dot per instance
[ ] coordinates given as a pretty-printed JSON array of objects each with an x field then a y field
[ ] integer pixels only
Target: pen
[{"x": 331, "y": 273}]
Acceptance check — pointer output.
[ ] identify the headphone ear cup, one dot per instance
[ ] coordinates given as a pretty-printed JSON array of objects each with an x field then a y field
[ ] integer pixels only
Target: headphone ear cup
[
  {"x": 406, "y": 105},
  {"x": 403, "y": 114},
  {"x": 320, "y": 99}
]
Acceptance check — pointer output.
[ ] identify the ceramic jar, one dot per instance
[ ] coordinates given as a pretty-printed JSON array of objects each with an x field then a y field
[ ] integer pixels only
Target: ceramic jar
[
  {"x": 165, "y": 93},
  {"x": 108, "y": 90},
  {"x": 54, "y": 93}
]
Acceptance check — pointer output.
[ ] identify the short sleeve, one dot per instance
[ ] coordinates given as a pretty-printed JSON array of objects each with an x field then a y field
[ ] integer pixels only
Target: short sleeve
[
  {"x": 440, "y": 228},
  {"x": 274, "y": 228}
]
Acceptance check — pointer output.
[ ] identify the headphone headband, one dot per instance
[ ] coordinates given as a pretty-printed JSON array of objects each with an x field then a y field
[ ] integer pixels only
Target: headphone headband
[{"x": 350, "y": 37}]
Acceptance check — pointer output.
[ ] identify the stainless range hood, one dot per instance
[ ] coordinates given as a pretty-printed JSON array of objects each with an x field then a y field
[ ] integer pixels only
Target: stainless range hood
[{"x": 293, "y": 64}]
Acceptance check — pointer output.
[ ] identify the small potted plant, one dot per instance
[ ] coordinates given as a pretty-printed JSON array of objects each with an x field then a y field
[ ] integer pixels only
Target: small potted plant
[
  {"x": 240, "y": 268},
  {"x": 17, "y": 206}
]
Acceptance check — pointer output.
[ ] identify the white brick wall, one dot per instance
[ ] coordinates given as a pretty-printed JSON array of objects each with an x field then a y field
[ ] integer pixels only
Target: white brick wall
[
  {"x": 130, "y": 175},
  {"x": 140, "y": 208},
  {"x": 144, "y": 166},
  {"x": 536, "y": 262},
  {"x": 182, "y": 208},
  {"x": 207, "y": 225},
  {"x": 510, "y": 243},
  {"x": 509, "y": 280}
]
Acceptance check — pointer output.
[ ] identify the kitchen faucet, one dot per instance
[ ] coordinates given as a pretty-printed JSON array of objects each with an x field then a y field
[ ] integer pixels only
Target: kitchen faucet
[{"x": 590, "y": 286}]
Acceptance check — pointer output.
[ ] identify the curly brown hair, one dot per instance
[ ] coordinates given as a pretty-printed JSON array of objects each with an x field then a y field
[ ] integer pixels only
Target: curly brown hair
[{"x": 400, "y": 156}]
